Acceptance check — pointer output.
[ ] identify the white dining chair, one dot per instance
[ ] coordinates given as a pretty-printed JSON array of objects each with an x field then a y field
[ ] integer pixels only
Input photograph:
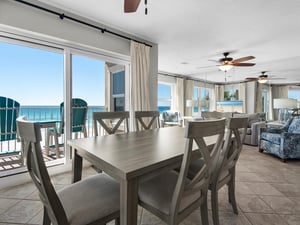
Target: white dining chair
[
  {"x": 94, "y": 200},
  {"x": 172, "y": 196}
]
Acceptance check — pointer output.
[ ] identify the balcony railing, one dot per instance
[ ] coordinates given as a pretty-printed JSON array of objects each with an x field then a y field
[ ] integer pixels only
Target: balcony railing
[{"x": 38, "y": 113}]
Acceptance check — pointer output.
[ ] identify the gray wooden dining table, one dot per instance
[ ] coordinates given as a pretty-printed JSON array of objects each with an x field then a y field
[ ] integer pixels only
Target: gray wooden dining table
[{"x": 131, "y": 157}]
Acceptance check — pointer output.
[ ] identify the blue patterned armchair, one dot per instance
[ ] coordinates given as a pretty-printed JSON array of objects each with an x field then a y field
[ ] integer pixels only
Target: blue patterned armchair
[
  {"x": 171, "y": 118},
  {"x": 283, "y": 142}
]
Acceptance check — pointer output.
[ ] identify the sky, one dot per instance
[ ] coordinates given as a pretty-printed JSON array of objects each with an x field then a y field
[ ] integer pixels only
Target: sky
[{"x": 34, "y": 76}]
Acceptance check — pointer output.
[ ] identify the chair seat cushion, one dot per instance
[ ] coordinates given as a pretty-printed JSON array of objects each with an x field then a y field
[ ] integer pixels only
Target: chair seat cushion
[
  {"x": 158, "y": 192},
  {"x": 271, "y": 137},
  {"x": 90, "y": 199}
]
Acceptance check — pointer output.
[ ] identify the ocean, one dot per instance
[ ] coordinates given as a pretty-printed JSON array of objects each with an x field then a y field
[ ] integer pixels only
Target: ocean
[{"x": 53, "y": 112}]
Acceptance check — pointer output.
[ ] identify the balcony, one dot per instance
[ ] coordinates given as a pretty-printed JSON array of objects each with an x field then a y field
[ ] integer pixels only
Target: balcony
[{"x": 11, "y": 163}]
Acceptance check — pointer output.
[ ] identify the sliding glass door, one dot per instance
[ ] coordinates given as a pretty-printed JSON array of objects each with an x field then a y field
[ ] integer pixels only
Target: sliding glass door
[{"x": 33, "y": 76}]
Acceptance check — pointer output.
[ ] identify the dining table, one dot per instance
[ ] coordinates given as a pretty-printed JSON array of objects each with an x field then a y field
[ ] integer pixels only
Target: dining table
[{"x": 130, "y": 158}]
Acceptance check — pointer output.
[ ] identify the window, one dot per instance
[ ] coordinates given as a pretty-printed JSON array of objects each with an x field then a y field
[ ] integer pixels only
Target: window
[
  {"x": 201, "y": 99},
  {"x": 164, "y": 97}
]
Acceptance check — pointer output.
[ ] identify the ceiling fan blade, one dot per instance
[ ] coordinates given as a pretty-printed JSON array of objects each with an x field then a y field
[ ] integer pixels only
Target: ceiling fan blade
[
  {"x": 243, "y": 59},
  {"x": 242, "y": 64},
  {"x": 251, "y": 78},
  {"x": 131, "y": 5},
  {"x": 271, "y": 78}
]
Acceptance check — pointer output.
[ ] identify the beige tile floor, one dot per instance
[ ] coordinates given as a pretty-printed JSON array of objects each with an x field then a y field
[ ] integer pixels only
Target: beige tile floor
[{"x": 268, "y": 193}]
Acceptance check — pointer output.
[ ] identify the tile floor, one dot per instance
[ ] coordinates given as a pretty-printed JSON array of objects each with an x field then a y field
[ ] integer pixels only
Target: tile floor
[{"x": 268, "y": 193}]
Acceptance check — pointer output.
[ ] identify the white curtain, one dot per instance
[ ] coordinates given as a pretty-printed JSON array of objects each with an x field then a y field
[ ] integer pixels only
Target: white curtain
[
  {"x": 189, "y": 90},
  {"x": 140, "y": 65},
  {"x": 179, "y": 96},
  {"x": 107, "y": 88},
  {"x": 258, "y": 107},
  {"x": 242, "y": 95},
  {"x": 219, "y": 93},
  {"x": 271, "y": 113}
]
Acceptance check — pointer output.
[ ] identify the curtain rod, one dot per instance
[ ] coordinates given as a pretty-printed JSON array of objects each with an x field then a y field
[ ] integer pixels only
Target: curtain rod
[{"x": 63, "y": 16}]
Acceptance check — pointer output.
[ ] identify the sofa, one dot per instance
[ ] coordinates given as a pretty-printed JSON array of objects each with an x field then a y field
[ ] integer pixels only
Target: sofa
[
  {"x": 283, "y": 142},
  {"x": 255, "y": 122}
]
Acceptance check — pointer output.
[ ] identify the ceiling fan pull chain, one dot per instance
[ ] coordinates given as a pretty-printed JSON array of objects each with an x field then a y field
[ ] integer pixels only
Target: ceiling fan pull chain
[{"x": 146, "y": 10}]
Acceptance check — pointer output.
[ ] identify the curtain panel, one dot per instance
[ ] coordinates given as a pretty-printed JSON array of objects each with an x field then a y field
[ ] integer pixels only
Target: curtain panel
[
  {"x": 179, "y": 98},
  {"x": 140, "y": 65},
  {"x": 242, "y": 95}
]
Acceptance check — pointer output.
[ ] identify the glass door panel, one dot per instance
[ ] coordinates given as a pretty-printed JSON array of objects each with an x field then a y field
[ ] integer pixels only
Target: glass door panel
[{"x": 33, "y": 76}]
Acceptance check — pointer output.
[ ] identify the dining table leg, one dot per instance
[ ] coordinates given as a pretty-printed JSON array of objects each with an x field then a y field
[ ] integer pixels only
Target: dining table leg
[
  {"x": 129, "y": 201},
  {"x": 77, "y": 167}
]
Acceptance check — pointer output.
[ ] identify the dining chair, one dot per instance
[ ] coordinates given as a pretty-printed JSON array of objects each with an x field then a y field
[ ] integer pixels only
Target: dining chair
[
  {"x": 172, "y": 196},
  {"x": 223, "y": 171},
  {"x": 94, "y": 200},
  {"x": 9, "y": 111},
  {"x": 145, "y": 120},
  {"x": 79, "y": 114},
  {"x": 110, "y": 122}
]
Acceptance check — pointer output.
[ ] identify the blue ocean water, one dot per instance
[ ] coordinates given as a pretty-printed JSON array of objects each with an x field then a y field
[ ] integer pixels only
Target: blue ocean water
[{"x": 53, "y": 112}]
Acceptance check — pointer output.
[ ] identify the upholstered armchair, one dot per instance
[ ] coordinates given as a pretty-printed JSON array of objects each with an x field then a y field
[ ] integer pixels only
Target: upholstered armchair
[
  {"x": 283, "y": 142},
  {"x": 171, "y": 118}
]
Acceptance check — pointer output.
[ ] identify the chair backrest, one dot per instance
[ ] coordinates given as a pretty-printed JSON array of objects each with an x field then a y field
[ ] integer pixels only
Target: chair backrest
[
  {"x": 9, "y": 111},
  {"x": 195, "y": 133},
  {"x": 30, "y": 135},
  {"x": 110, "y": 121},
  {"x": 171, "y": 116},
  {"x": 235, "y": 136},
  {"x": 79, "y": 114},
  {"x": 145, "y": 120}
]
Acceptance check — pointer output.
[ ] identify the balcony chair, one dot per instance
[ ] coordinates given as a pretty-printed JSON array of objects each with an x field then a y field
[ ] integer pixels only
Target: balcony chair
[
  {"x": 172, "y": 196},
  {"x": 171, "y": 118},
  {"x": 224, "y": 162},
  {"x": 94, "y": 200},
  {"x": 9, "y": 111},
  {"x": 79, "y": 114},
  {"x": 110, "y": 122},
  {"x": 146, "y": 120}
]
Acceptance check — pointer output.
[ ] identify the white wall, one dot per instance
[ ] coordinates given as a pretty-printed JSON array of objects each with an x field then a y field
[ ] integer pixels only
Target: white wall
[{"x": 32, "y": 22}]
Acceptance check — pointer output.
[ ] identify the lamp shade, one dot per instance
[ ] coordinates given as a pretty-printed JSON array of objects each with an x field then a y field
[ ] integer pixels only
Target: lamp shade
[{"x": 285, "y": 103}]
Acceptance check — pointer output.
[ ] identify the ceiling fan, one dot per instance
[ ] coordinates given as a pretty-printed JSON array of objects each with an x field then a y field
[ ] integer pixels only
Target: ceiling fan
[
  {"x": 226, "y": 63},
  {"x": 131, "y": 5},
  {"x": 263, "y": 78}
]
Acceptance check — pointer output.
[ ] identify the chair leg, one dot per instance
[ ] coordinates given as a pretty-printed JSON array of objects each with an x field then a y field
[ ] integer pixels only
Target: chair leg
[
  {"x": 46, "y": 219},
  {"x": 215, "y": 206},
  {"x": 56, "y": 145},
  {"x": 204, "y": 211},
  {"x": 47, "y": 142},
  {"x": 231, "y": 193}
]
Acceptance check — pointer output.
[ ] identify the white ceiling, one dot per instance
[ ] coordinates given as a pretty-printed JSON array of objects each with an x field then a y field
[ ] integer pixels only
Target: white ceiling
[{"x": 190, "y": 33}]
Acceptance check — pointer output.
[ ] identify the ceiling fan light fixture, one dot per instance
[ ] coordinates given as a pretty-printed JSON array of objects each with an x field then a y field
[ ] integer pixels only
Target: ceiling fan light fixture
[
  {"x": 262, "y": 81},
  {"x": 225, "y": 68}
]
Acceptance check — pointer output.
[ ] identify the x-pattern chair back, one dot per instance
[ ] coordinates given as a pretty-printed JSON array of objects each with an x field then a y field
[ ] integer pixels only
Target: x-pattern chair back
[
  {"x": 110, "y": 121},
  {"x": 147, "y": 119}
]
